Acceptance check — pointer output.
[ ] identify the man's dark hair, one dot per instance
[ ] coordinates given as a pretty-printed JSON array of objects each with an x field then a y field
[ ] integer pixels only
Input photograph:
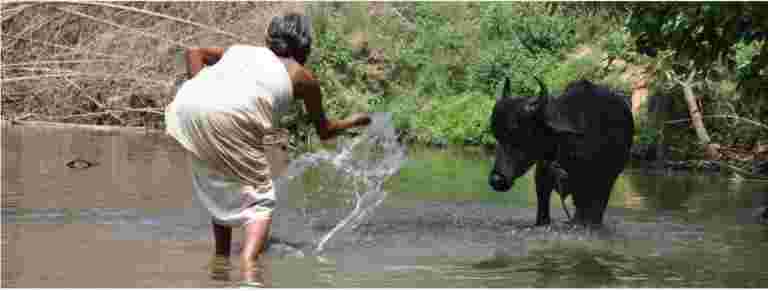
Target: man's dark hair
[{"x": 290, "y": 35}]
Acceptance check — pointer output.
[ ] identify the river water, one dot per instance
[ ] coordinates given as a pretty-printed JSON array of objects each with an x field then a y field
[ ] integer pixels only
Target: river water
[{"x": 131, "y": 221}]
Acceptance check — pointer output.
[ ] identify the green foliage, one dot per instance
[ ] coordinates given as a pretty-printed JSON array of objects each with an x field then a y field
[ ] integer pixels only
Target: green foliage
[
  {"x": 341, "y": 74},
  {"x": 718, "y": 40},
  {"x": 702, "y": 32},
  {"x": 429, "y": 61},
  {"x": 586, "y": 67},
  {"x": 453, "y": 64},
  {"x": 617, "y": 45},
  {"x": 646, "y": 135},
  {"x": 461, "y": 119},
  {"x": 518, "y": 43},
  {"x": 726, "y": 42},
  {"x": 447, "y": 61},
  {"x": 744, "y": 53},
  {"x": 722, "y": 100}
]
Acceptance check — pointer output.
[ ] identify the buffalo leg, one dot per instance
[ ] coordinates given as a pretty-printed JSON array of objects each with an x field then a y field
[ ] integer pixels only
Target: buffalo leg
[
  {"x": 581, "y": 199},
  {"x": 581, "y": 209},
  {"x": 600, "y": 203},
  {"x": 545, "y": 183}
]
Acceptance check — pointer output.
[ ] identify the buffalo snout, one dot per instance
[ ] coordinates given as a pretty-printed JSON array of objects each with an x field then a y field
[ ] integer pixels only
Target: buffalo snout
[{"x": 499, "y": 182}]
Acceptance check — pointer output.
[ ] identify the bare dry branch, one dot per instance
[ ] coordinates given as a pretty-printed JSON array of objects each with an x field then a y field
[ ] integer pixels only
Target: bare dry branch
[
  {"x": 91, "y": 127},
  {"x": 73, "y": 84},
  {"x": 59, "y": 62},
  {"x": 758, "y": 124},
  {"x": 108, "y": 59},
  {"x": 10, "y": 13},
  {"x": 79, "y": 50},
  {"x": 23, "y": 116},
  {"x": 30, "y": 29},
  {"x": 671, "y": 76},
  {"x": 137, "y": 10},
  {"x": 111, "y": 111},
  {"x": 132, "y": 30},
  {"x": 152, "y": 110},
  {"x": 166, "y": 84}
]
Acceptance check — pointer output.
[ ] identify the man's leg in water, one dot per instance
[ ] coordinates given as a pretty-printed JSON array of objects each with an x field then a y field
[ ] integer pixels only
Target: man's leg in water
[
  {"x": 220, "y": 264},
  {"x": 256, "y": 234},
  {"x": 222, "y": 236}
]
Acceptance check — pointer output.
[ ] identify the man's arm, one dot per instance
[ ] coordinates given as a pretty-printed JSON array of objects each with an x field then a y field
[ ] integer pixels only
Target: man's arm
[
  {"x": 197, "y": 58},
  {"x": 306, "y": 87}
]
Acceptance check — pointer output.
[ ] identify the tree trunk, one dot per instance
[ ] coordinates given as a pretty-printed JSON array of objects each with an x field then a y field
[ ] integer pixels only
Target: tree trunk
[
  {"x": 639, "y": 93},
  {"x": 710, "y": 149}
]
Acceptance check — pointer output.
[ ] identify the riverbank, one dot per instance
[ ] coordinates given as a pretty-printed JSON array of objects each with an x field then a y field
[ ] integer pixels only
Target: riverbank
[
  {"x": 90, "y": 127},
  {"x": 742, "y": 162},
  {"x": 755, "y": 168}
]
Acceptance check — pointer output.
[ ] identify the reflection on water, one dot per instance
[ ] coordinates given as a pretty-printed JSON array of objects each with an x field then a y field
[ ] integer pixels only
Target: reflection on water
[
  {"x": 131, "y": 221},
  {"x": 220, "y": 268}
]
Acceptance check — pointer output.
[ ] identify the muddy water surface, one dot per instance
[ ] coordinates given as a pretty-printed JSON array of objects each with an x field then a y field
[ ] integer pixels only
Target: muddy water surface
[{"x": 131, "y": 221}]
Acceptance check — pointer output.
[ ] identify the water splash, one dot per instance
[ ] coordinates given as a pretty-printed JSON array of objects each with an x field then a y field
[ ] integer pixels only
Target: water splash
[{"x": 365, "y": 162}]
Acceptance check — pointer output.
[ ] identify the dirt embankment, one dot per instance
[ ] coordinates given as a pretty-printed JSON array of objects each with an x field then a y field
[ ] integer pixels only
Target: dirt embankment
[{"x": 113, "y": 63}]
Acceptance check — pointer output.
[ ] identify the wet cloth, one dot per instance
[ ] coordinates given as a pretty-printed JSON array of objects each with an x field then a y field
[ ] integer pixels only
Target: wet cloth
[{"x": 226, "y": 117}]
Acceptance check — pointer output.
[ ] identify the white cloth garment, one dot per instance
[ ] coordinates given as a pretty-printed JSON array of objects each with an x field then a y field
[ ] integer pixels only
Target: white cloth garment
[{"x": 226, "y": 117}]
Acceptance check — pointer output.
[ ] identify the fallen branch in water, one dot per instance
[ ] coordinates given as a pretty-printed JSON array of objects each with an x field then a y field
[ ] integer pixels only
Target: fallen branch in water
[
  {"x": 742, "y": 173},
  {"x": 151, "y": 110},
  {"x": 721, "y": 116},
  {"x": 105, "y": 128},
  {"x": 22, "y": 117},
  {"x": 112, "y": 111}
]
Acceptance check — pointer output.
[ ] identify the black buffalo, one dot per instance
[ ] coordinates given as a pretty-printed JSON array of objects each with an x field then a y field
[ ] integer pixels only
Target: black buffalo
[{"x": 579, "y": 141}]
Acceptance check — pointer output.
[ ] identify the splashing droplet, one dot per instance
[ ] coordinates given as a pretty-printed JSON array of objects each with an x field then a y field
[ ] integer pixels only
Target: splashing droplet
[{"x": 366, "y": 161}]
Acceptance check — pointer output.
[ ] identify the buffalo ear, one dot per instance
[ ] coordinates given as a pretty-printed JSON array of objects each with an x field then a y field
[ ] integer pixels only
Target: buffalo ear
[{"x": 505, "y": 90}]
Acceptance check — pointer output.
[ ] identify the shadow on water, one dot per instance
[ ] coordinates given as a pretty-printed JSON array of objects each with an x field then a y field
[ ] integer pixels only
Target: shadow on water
[{"x": 132, "y": 221}]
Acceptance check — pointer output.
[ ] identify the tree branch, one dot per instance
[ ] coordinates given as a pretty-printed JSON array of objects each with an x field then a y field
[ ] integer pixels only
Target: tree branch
[
  {"x": 10, "y": 13},
  {"x": 58, "y": 62},
  {"x": 132, "y": 30},
  {"x": 143, "y": 11},
  {"x": 758, "y": 124},
  {"x": 63, "y": 46},
  {"x": 94, "y": 100},
  {"x": 112, "y": 111},
  {"x": 63, "y": 74}
]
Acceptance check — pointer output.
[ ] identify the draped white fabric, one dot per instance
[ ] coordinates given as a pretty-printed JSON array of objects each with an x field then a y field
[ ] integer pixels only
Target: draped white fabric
[{"x": 226, "y": 117}]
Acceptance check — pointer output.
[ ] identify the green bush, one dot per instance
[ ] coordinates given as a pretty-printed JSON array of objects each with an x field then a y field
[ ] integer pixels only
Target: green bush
[
  {"x": 743, "y": 59},
  {"x": 448, "y": 60},
  {"x": 460, "y": 119}
]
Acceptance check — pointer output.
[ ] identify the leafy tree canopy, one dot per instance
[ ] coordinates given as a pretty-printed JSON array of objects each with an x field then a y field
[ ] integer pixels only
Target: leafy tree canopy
[{"x": 702, "y": 33}]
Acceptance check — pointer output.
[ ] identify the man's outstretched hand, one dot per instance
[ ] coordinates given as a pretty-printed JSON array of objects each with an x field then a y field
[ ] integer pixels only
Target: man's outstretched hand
[
  {"x": 335, "y": 127},
  {"x": 358, "y": 120},
  {"x": 354, "y": 120}
]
